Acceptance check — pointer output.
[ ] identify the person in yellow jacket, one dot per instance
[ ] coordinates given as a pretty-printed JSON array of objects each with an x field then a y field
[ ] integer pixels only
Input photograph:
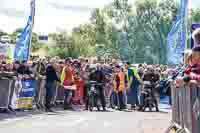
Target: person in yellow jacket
[
  {"x": 119, "y": 87},
  {"x": 133, "y": 85}
]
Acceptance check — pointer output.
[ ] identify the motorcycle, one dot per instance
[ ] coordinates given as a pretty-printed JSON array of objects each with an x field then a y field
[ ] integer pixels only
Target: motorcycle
[
  {"x": 149, "y": 99},
  {"x": 93, "y": 96}
]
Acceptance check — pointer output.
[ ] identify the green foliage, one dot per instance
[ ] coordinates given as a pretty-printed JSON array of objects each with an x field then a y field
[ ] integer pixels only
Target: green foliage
[
  {"x": 195, "y": 15},
  {"x": 14, "y": 36},
  {"x": 35, "y": 45},
  {"x": 135, "y": 33},
  {"x": 2, "y": 33}
]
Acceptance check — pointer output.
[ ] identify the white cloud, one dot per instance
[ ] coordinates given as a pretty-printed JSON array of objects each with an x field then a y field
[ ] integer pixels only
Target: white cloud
[
  {"x": 51, "y": 15},
  {"x": 195, "y": 3}
]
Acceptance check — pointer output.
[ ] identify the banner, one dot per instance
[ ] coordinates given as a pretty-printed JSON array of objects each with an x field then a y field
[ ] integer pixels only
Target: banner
[
  {"x": 22, "y": 48},
  {"x": 24, "y": 93},
  {"x": 177, "y": 38}
]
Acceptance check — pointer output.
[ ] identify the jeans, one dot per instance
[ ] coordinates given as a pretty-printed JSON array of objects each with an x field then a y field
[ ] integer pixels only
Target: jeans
[
  {"x": 141, "y": 99},
  {"x": 119, "y": 99},
  {"x": 68, "y": 98},
  {"x": 133, "y": 94},
  {"x": 50, "y": 87}
]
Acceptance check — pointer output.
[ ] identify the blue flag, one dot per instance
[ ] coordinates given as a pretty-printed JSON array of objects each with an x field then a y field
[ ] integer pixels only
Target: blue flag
[
  {"x": 177, "y": 38},
  {"x": 22, "y": 48}
]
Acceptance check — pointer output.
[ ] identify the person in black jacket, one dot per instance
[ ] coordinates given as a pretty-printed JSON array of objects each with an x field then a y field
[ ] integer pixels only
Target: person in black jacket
[
  {"x": 51, "y": 79},
  {"x": 99, "y": 76}
]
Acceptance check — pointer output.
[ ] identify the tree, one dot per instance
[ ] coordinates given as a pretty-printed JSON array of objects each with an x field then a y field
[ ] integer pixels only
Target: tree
[
  {"x": 195, "y": 15},
  {"x": 135, "y": 33},
  {"x": 151, "y": 24},
  {"x": 2, "y": 33},
  {"x": 63, "y": 46},
  {"x": 15, "y": 35},
  {"x": 35, "y": 44},
  {"x": 84, "y": 39}
]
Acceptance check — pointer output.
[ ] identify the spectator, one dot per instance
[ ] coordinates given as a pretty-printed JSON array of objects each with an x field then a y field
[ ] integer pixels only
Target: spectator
[
  {"x": 51, "y": 78},
  {"x": 196, "y": 37}
]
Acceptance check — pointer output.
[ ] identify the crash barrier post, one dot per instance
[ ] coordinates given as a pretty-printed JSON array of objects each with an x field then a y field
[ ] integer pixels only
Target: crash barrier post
[
  {"x": 5, "y": 92},
  {"x": 185, "y": 109}
]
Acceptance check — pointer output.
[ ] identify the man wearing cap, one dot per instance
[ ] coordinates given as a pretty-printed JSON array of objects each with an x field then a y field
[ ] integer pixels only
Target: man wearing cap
[{"x": 99, "y": 76}]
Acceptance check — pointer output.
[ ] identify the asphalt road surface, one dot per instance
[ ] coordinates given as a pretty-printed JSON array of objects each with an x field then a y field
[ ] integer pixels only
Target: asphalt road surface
[{"x": 85, "y": 122}]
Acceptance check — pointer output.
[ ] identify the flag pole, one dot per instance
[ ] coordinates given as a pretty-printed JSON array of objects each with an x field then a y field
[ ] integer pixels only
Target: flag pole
[{"x": 32, "y": 25}]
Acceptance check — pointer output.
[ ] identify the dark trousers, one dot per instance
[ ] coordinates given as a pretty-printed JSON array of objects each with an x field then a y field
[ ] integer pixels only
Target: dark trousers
[
  {"x": 144, "y": 101},
  {"x": 86, "y": 95},
  {"x": 50, "y": 87},
  {"x": 133, "y": 94},
  {"x": 102, "y": 97},
  {"x": 119, "y": 99}
]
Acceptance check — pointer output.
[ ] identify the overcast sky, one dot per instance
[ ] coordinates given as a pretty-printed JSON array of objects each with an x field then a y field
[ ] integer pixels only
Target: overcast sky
[{"x": 51, "y": 15}]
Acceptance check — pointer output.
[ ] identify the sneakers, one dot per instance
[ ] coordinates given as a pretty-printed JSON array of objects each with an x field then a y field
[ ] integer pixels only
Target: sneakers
[
  {"x": 68, "y": 108},
  {"x": 49, "y": 110}
]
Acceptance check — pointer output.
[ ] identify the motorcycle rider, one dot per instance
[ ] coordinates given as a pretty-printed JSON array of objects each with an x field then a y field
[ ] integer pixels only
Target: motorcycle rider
[
  {"x": 98, "y": 75},
  {"x": 152, "y": 76}
]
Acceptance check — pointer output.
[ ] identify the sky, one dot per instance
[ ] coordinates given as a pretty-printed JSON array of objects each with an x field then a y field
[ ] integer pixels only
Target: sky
[{"x": 51, "y": 15}]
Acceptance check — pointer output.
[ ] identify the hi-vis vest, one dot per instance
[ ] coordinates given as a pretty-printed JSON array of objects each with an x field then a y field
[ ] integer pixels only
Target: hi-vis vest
[
  {"x": 135, "y": 72},
  {"x": 121, "y": 76}
]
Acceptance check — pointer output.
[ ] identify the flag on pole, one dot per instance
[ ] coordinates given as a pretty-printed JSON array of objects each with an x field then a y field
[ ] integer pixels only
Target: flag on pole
[
  {"x": 177, "y": 37},
  {"x": 22, "y": 48}
]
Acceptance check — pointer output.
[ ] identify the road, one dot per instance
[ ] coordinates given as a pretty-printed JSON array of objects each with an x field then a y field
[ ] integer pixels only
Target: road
[{"x": 85, "y": 122}]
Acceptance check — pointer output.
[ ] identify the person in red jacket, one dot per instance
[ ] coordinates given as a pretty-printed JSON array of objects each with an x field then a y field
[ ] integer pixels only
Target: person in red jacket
[{"x": 193, "y": 71}]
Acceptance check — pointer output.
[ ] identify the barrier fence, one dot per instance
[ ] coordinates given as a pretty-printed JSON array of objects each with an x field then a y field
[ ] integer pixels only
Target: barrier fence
[
  {"x": 5, "y": 91},
  {"x": 185, "y": 109},
  {"x": 25, "y": 94}
]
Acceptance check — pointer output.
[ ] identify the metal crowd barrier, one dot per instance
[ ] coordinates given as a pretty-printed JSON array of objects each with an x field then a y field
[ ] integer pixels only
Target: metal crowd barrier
[
  {"x": 5, "y": 92},
  {"x": 11, "y": 90},
  {"x": 185, "y": 109}
]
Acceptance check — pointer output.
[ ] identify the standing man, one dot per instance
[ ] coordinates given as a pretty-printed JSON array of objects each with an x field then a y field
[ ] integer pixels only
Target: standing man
[
  {"x": 119, "y": 87},
  {"x": 67, "y": 79},
  {"x": 133, "y": 84},
  {"x": 99, "y": 76},
  {"x": 51, "y": 79},
  {"x": 153, "y": 77}
]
